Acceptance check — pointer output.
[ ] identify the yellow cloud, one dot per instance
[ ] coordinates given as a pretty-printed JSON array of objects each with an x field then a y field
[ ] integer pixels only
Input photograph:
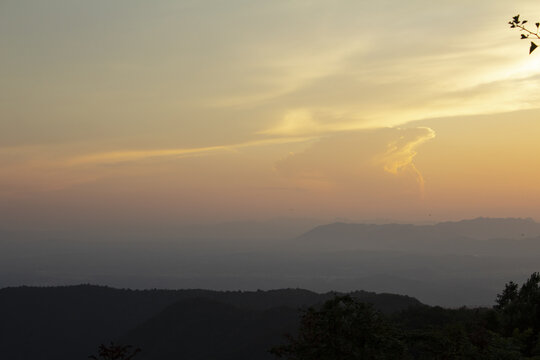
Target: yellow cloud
[
  {"x": 298, "y": 121},
  {"x": 400, "y": 154},
  {"x": 360, "y": 161}
]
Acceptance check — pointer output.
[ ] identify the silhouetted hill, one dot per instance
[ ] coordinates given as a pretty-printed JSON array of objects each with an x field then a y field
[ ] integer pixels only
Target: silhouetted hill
[
  {"x": 482, "y": 236},
  {"x": 69, "y": 322},
  {"x": 202, "y": 329}
]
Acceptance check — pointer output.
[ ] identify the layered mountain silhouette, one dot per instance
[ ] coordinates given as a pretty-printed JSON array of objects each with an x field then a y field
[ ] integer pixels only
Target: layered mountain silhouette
[
  {"x": 447, "y": 264},
  {"x": 57, "y": 323}
]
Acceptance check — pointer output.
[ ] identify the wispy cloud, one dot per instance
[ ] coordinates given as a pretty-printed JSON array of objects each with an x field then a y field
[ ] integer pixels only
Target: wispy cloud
[
  {"x": 359, "y": 161},
  {"x": 137, "y": 155},
  {"x": 401, "y": 153}
]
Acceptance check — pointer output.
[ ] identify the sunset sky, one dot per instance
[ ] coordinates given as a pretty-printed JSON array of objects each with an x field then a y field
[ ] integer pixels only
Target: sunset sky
[{"x": 152, "y": 113}]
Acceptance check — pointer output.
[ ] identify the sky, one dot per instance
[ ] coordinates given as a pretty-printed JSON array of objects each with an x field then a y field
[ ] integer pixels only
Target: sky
[{"x": 119, "y": 114}]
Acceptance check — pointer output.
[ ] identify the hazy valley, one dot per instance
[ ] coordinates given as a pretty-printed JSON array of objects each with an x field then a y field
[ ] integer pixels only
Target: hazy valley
[{"x": 448, "y": 264}]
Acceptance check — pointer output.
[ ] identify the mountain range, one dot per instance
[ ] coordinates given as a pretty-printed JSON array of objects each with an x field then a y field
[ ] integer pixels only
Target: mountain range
[{"x": 65, "y": 323}]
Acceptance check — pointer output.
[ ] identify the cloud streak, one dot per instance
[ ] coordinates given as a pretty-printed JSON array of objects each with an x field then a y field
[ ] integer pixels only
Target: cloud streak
[{"x": 138, "y": 155}]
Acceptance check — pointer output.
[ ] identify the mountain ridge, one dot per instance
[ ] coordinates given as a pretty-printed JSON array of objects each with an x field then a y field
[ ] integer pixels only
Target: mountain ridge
[
  {"x": 69, "y": 322},
  {"x": 472, "y": 237}
]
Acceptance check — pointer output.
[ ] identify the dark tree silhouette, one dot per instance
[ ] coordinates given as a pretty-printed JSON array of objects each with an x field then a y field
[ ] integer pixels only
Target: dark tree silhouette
[
  {"x": 342, "y": 329},
  {"x": 508, "y": 295},
  {"x": 115, "y": 352},
  {"x": 526, "y": 33},
  {"x": 520, "y": 309},
  {"x": 519, "y": 314}
]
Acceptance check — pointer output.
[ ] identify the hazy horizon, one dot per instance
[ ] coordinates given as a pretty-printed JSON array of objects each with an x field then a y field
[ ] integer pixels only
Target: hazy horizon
[{"x": 448, "y": 263}]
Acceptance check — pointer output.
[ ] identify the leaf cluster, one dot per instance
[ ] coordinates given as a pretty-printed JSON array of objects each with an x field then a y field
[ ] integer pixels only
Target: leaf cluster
[{"x": 526, "y": 33}]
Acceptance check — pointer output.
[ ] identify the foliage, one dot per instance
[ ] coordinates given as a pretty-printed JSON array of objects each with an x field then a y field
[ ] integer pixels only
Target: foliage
[
  {"x": 115, "y": 352},
  {"x": 343, "y": 328},
  {"x": 519, "y": 314},
  {"x": 166, "y": 324},
  {"x": 516, "y": 23}
]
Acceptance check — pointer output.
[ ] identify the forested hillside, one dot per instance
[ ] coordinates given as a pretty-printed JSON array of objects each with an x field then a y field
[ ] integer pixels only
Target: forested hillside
[{"x": 69, "y": 322}]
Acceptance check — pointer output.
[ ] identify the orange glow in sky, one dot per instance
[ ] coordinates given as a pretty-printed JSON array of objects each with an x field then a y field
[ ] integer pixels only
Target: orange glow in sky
[{"x": 198, "y": 112}]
